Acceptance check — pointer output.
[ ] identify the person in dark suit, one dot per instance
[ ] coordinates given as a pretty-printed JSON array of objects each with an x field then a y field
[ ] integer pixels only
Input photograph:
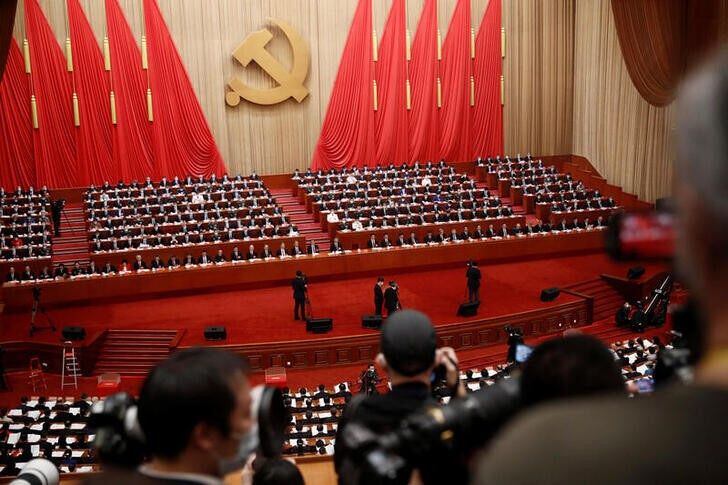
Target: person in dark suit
[
  {"x": 336, "y": 246},
  {"x": 379, "y": 296},
  {"x": 189, "y": 260},
  {"x": 235, "y": 255},
  {"x": 139, "y": 263},
  {"x": 204, "y": 258},
  {"x": 12, "y": 275},
  {"x": 220, "y": 257},
  {"x": 313, "y": 248},
  {"x": 473, "y": 276},
  {"x": 299, "y": 295},
  {"x": 251, "y": 254},
  {"x": 391, "y": 298},
  {"x": 173, "y": 262},
  {"x": 157, "y": 263},
  {"x": 372, "y": 242},
  {"x": 27, "y": 274}
]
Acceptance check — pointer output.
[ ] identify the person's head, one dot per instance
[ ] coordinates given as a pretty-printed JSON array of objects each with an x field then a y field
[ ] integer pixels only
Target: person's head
[
  {"x": 701, "y": 192},
  {"x": 277, "y": 472},
  {"x": 194, "y": 410},
  {"x": 380, "y": 280},
  {"x": 569, "y": 367},
  {"x": 407, "y": 347}
]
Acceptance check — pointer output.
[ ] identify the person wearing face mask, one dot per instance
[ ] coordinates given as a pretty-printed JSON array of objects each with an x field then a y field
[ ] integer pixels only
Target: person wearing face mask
[{"x": 195, "y": 413}]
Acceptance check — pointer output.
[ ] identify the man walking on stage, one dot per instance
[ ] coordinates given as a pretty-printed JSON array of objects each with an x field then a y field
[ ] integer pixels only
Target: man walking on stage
[
  {"x": 299, "y": 295},
  {"x": 391, "y": 298},
  {"x": 379, "y": 296},
  {"x": 473, "y": 276}
]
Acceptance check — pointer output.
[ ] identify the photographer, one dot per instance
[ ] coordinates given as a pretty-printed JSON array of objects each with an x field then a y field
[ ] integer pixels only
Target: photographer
[
  {"x": 409, "y": 355},
  {"x": 678, "y": 434},
  {"x": 194, "y": 411}
]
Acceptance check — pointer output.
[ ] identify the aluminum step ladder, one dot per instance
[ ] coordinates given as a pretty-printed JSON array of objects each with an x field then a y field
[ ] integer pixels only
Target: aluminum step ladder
[{"x": 71, "y": 369}]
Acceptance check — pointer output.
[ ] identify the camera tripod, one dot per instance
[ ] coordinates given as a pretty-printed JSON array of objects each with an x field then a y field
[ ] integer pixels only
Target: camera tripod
[{"x": 38, "y": 307}]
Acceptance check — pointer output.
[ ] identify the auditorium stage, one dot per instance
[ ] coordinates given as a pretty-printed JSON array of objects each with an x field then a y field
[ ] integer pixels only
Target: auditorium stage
[{"x": 264, "y": 315}]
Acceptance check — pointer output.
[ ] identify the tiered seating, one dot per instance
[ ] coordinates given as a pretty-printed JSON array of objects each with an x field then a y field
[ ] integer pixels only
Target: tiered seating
[
  {"x": 355, "y": 199},
  {"x": 25, "y": 228},
  {"x": 314, "y": 417},
  {"x": 191, "y": 213},
  {"x": 554, "y": 197},
  {"x": 52, "y": 428}
]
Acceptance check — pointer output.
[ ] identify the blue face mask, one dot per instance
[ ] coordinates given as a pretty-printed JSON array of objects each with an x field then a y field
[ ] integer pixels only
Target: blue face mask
[{"x": 247, "y": 444}]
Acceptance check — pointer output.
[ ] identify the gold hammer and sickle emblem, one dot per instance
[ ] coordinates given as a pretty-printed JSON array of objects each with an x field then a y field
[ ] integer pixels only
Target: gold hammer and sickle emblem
[{"x": 290, "y": 84}]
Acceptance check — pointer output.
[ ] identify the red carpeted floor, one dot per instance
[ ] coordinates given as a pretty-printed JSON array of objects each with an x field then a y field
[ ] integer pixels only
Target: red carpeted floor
[{"x": 265, "y": 315}]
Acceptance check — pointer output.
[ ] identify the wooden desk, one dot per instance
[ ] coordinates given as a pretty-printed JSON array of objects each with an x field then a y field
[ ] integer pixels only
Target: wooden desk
[
  {"x": 36, "y": 265},
  {"x": 136, "y": 285},
  {"x": 516, "y": 194},
  {"x": 165, "y": 252},
  {"x": 592, "y": 214},
  {"x": 350, "y": 238}
]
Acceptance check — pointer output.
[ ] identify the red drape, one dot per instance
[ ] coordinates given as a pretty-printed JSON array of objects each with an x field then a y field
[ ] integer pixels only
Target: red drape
[
  {"x": 392, "y": 133},
  {"x": 16, "y": 141},
  {"x": 133, "y": 157},
  {"x": 487, "y": 123},
  {"x": 347, "y": 133},
  {"x": 7, "y": 20},
  {"x": 455, "y": 76},
  {"x": 54, "y": 142},
  {"x": 423, "y": 121},
  {"x": 183, "y": 143},
  {"x": 93, "y": 136}
]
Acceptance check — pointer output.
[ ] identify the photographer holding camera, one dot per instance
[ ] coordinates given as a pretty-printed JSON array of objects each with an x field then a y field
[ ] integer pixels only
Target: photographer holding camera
[
  {"x": 678, "y": 434},
  {"x": 410, "y": 357}
]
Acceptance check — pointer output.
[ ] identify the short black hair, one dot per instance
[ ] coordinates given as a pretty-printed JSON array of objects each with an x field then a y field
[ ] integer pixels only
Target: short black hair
[
  {"x": 192, "y": 386},
  {"x": 278, "y": 472},
  {"x": 569, "y": 367}
]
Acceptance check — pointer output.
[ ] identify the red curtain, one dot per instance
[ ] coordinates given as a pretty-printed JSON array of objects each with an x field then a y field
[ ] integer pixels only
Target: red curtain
[
  {"x": 133, "y": 157},
  {"x": 7, "y": 20},
  {"x": 54, "y": 142},
  {"x": 347, "y": 133},
  {"x": 392, "y": 132},
  {"x": 16, "y": 141},
  {"x": 93, "y": 136},
  {"x": 424, "y": 122},
  {"x": 455, "y": 76},
  {"x": 183, "y": 143},
  {"x": 487, "y": 123}
]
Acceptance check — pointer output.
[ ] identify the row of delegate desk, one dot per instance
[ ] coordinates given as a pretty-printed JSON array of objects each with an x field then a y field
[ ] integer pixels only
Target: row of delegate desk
[{"x": 18, "y": 296}]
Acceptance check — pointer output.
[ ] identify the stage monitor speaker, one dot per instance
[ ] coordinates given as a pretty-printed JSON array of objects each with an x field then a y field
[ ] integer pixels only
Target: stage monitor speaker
[
  {"x": 635, "y": 272},
  {"x": 550, "y": 294},
  {"x": 319, "y": 325},
  {"x": 215, "y": 333},
  {"x": 73, "y": 333},
  {"x": 468, "y": 309},
  {"x": 371, "y": 321}
]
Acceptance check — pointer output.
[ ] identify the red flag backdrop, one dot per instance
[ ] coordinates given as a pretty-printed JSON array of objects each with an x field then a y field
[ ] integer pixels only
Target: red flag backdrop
[{"x": 487, "y": 122}]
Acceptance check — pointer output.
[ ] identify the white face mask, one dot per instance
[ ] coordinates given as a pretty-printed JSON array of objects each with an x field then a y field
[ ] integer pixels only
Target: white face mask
[{"x": 247, "y": 444}]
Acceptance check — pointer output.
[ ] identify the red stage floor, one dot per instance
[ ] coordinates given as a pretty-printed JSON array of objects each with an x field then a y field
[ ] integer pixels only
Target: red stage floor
[{"x": 265, "y": 315}]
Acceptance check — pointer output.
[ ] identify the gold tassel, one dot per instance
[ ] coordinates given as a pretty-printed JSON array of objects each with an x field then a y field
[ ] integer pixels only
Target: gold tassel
[
  {"x": 107, "y": 54},
  {"x": 503, "y": 91},
  {"x": 69, "y": 55},
  {"x": 112, "y": 98},
  {"x": 374, "y": 93},
  {"x": 472, "y": 90},
  {"x": 375, "y": 54},
  {"x": 472, "y": 43},
  {"x": 26, "y": 55},
  {"x": 145, "y": 59},
  {"x": 439, "y": 93},
  {"x": 76, "y": 113},
  {"x": 34, "y": 111},
  {"x": 150, "y": 110},
  {"x": 408, "y": 46},
  {"x": 439, "y": 45},
  {"x": 409, "y": 95},
  {"x": 503, "y": 42}
]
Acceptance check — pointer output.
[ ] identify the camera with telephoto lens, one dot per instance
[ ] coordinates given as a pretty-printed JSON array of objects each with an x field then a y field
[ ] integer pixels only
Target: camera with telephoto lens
[
  {"x": 120, "y": 440},
  {"x": 463, "y": 425}
]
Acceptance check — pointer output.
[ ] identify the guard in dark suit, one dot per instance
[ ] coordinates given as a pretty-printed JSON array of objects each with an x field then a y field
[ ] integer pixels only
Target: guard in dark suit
[
  {"x": 391, "y": 298},
  {"x": 378, "y": 296},
  {"x": 299, "y": 295},
  {"x": 473, "y": 276}
]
